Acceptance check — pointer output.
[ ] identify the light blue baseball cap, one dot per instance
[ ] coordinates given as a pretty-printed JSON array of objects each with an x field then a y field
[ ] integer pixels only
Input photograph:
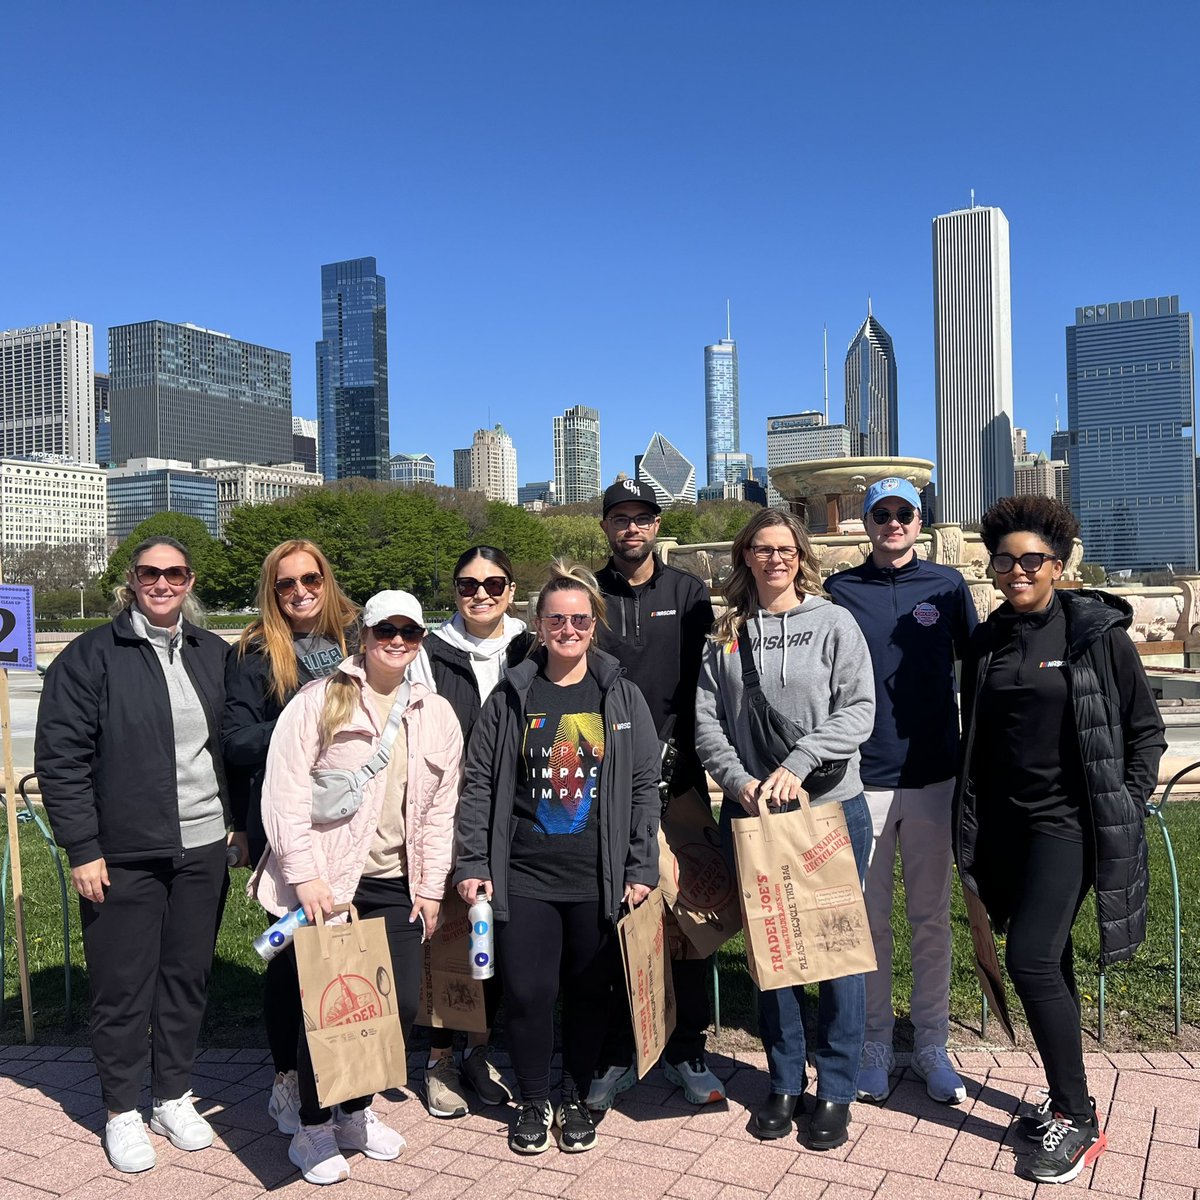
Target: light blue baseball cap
[{"x": 893, "y": 485}]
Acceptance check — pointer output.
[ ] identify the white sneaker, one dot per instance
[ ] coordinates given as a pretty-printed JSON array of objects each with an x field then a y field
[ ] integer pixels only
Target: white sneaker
[
  {"x": 179, "y": 1121},
  {"x": 128, "y": 1144},
  {"x": 366, "y": 1132},
  {"x": 314, "y": 1151},
  {"x": 876, "y": 1065},
  {"x": 284, "y": 1105},
  {"x": 942, "y": 1081},
  {"x": 700, "y": 1085}
]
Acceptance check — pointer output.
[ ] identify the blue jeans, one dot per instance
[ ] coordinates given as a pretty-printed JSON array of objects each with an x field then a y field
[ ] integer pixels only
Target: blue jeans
[{"x": 841, "y": 1003}]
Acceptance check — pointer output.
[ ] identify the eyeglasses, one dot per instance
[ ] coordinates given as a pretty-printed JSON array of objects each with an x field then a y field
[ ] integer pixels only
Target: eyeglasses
[
  {"x": 494, "y": 585},
  {"x": 763, "y": 553},
  {"x": 385, "y": 631},
  {"x": 555, "y": 621},
  {"x": 313, "y": 582},
  {"x": 1031, "y": 563},
  {"x": 175, "y": 576},
  {"x": 882, "y": 516},
  {"x": 642, "y": 521}
]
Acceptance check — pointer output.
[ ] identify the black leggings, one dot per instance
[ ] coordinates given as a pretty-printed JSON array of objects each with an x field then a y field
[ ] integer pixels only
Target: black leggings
[
  {"x": 542, "y": 944},
  {"x": 1039, "y": 882}
]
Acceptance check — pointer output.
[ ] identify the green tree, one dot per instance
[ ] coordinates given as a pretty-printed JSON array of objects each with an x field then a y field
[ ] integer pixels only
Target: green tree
[
  {"x": 520, "y": 534},
  {"x": 680, "y": 522},
  {"x": 207, "y": 554},
  {"x": 577, "y": 537}
]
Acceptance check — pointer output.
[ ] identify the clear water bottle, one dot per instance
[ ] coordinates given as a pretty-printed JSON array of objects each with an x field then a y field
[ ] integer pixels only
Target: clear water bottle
[
  {"x": 482, "y": 955},
  {"x": 279, "y": 937}
]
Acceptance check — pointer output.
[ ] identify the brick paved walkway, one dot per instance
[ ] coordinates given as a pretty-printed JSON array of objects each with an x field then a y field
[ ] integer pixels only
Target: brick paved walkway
[{"x": 653, "y": 1145}]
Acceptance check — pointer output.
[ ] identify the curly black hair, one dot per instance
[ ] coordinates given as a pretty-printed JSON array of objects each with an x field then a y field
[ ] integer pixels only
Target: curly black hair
[{"x": 1044, "y": 516}]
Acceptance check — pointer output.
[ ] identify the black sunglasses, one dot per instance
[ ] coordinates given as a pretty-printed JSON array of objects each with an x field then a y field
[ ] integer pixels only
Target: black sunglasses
[
  {"x": 494, "y": 585},
  {"x": 385, "y": 631},
  {"x": 175, "y": 576},
  {"x": 1031, "y": 563},
  {"x": 312, "y": 582},
  {"x": 882, "y": 516}
]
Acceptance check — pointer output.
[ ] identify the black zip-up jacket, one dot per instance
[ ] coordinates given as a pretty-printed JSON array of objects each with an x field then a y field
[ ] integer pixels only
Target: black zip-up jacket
[
  {"x": 105, "y": 744},
  {"x": 455, "y": 680},
  {"x": 628, "y": 790},
  {"x": 657, "y": 633},
  {"x": 1121, "y": 739}
]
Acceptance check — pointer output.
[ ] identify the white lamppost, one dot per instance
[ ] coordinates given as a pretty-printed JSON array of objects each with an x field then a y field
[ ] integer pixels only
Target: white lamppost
[{"x": 80, "y": 587}]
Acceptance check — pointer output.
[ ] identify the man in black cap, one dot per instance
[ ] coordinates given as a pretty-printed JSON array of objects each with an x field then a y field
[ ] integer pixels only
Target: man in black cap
[{"x": 658, "y": 619}]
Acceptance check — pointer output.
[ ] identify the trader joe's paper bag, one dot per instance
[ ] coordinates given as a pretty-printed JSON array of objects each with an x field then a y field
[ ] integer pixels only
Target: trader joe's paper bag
[
  {"x": 450, "y": 998},
  {"x": 643, "y": 940}
]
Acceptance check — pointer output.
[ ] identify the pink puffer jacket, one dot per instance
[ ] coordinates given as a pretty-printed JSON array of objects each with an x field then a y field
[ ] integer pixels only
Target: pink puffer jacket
[{"x": 337, "y": 852}]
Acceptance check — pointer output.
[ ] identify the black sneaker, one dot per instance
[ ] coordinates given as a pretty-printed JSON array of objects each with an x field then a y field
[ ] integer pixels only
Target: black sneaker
[
  {"x": 1031, "y": 1127},
  {"x": 576, "y": 1130},
  {"x": 531, "y": 1133},
  {"x": 1066, "y": 1149}
]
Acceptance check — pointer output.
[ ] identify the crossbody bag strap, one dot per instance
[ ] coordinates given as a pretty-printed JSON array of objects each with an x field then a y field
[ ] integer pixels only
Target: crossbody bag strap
[
  {"x": 750, "y": 681},
  {"x": 379, "y": 760}
]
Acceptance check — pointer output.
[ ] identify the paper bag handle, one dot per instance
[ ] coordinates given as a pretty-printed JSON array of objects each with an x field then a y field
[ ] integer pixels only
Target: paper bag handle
[
  {"x": 323, "y": 930},
  {"x": 804, "y": 807}
]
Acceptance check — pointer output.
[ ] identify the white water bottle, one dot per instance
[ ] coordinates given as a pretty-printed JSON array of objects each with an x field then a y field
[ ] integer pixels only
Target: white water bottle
[
  {"x": 481, "y": 954},
  {"x": 279, "y": 936}
]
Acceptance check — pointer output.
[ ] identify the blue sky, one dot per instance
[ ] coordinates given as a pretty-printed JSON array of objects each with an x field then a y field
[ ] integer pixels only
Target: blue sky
[{"x": 563, "y": 194}]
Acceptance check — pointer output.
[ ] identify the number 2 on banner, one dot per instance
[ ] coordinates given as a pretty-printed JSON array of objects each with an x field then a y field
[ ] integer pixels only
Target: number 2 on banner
[
  {"x": 16, "y": 628},
  {"x": 8, "y": 623}
]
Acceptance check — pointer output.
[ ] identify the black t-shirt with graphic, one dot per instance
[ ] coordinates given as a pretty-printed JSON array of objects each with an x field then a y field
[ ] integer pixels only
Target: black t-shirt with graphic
[{"x": 556, "y": 842}]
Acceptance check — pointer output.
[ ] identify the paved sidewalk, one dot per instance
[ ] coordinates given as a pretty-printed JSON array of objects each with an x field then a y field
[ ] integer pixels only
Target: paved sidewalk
[{"x": 653, "y": 1145}]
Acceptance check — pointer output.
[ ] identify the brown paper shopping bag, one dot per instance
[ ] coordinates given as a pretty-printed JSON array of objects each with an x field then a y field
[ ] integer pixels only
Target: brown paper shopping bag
[
  {"x": 643, "y": 939},
  {"x": 450, "y": 998},
  {"x": 348, "y": 998},
  {"x": 802, "y": 904},
  {"x": 697, "y": 884}
]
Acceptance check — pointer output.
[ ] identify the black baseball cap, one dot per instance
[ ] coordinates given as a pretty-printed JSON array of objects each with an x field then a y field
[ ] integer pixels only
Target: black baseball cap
[{"x": 631, "y": 491}]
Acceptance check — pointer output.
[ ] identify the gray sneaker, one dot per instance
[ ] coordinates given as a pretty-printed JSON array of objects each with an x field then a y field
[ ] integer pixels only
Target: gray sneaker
[
  {"x": 443, "y": 1089},
  {"x": 483, "y": 1077},
  {"x": 608, "y": 1085}
]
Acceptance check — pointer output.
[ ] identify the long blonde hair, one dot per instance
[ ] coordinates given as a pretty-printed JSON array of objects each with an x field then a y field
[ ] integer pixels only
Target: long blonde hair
[
  {"x": 125, "y": 597},
  {"x": 740, "y": 590},
  {"x": 342, "y": 694},
  {"x": 272, "y": 631}
]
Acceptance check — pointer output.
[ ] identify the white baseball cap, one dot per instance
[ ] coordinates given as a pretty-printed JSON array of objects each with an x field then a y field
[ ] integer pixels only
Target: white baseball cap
[{"x": 392, "y": 604}]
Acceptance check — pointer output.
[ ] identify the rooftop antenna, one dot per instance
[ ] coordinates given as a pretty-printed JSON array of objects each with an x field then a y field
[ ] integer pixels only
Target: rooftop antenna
[
  {"x": 972, "y": 197},
  {"x": 1056, "y": 430},
  {"x": 728, "y": 326},
  {"x": 868, "y": 304},
  {"x": 825, "y": 340}
]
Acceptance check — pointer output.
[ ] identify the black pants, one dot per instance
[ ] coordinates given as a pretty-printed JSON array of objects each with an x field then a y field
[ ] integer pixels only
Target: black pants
[
  {"x": 1038, "y": 883},
  {"x": 149, "y": 950},
  {"x": 544, "y": 945},
  {"x": 389, "y": 899}
]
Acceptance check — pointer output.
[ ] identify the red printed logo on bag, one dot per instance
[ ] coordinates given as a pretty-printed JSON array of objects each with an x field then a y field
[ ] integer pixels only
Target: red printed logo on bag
[
  {"x": 702, "y": 878},
  {"x": 348, "y": 1000},
  {"x": 824, "y": 850}
]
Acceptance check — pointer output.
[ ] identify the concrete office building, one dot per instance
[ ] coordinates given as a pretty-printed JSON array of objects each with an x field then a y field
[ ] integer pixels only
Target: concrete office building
[
  {"x": 577, "y": 455},
  {"x": 48, "y": 500},
  {"x": 410, "y": 469},
  {"x": 672, "y": 476},
  {"x": 304, "y": 442},
  {"x": 183, "y": 392},
  {"x": 250, "y": 483},
  {"x": 872, "y": 415},
  {"x": 144, "y": 487},
  {"x": 488, "y": 465},
  {"x": 803, "y": 437},
  {"x": 972, "y": 362},
  {"x": 1131, "y": 400},
  {"x": 47, "y": 391},
  {"x": 537, "y": 495}
]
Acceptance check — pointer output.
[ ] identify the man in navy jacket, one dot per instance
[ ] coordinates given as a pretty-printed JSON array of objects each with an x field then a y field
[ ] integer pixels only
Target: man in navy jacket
[{"x": 917, "y": 618}]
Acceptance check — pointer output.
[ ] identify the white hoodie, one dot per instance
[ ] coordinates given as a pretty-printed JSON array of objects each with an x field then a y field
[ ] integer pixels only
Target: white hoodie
[{"x": 486, "y": 655}]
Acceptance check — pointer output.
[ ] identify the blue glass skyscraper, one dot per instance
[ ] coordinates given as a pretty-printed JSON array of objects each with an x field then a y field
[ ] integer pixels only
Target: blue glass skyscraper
[
  {"x": 1131, "y": 400},
  {"x": 352, "y": 380},
  {"x": 722, "y": 420}
]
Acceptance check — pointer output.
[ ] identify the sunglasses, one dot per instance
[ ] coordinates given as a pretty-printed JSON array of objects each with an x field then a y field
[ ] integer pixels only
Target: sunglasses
[
  {"x": 175, "y": 576},
  {"x": 385, "y": 631},
  {"x": 313, "y": 582},
  {"x": 1031, "y": 563},
  {"x": 494, "y": 585},
  {"x": 555, "y": 621},
  {"x": 883, "y": 516}
]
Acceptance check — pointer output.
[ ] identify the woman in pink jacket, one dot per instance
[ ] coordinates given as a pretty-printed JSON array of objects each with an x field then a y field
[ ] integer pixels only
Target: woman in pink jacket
[{"x": 391, "y": 857}]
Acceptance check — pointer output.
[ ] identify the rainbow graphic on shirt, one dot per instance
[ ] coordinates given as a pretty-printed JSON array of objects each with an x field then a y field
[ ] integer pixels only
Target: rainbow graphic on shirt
[{"x": 567, "y": 776}]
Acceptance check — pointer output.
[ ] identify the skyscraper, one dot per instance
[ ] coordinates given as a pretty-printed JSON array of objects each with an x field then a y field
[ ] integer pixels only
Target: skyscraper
[
  {"x": 47, "y": 397},
  {"x": 1131, "y": 402},
  {"x": 103, "y": 419},
  {"x": 304, "y": 442},
  {"x": 802, "y": 437},
  {"x": 352, "y": 374},
  {"x": 722, "y": 421},
  {"x": 668, "y": 472},
  {"x": 972, "y": 361},
  {"x": 488, "y": 465},
  {"x": 577, "y": 455},
  {"x": 870, "y": 372}
]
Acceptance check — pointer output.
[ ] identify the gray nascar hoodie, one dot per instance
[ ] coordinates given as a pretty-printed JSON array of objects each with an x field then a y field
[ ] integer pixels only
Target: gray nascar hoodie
[{"x": 815, "y": 668}]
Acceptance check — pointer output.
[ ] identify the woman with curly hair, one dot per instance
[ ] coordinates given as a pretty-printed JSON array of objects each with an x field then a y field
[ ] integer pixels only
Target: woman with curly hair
[
  {"x": 815, "y": 669},
  {"x": 1061, "y": 742}
]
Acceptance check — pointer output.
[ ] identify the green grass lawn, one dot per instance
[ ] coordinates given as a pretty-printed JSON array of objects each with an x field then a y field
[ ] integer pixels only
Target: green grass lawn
[{"x": 1139, "y": 993}]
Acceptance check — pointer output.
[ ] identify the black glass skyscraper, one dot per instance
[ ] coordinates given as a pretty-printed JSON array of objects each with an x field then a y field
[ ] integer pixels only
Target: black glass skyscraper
[
  {"x": 352, "y": 384},
  {"x": 871, "y": 406}
]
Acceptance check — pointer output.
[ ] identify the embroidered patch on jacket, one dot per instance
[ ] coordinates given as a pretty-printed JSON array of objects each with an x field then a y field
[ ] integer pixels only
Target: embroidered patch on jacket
[
  {"x": 1053, "y": 662},
  {"x": 537, "y": 722},
  {"x": 926, "y": 613}
]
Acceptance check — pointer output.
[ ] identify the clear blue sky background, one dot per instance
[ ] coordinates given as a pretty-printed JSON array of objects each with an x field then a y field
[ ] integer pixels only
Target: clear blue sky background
[{"x": 563, "y": 194}]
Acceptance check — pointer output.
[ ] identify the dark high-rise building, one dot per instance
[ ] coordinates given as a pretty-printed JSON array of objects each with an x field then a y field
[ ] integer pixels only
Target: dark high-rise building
[
  {"x": 1060, "y": 445},
  {"x": 871, "y": 412},
  {"x": 352, "y": 376},
  {"x": 304, "y": 442},
  {"x": 187, "y": 393},
  {"x": 1131, "y": 401},
  {"x": 103, "y": 419}
]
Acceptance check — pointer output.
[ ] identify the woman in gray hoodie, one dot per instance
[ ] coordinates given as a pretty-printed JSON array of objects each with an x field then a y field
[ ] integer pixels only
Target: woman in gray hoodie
[{"x": 814, "y": 668}]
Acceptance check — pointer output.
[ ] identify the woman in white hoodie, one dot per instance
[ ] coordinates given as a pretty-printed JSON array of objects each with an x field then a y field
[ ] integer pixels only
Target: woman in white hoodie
[{"x": 467, "y": 657}]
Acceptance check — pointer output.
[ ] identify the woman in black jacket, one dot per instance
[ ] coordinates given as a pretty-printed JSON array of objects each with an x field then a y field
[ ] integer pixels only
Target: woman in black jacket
[
  {"x": 128, "y": 758},
  {"x": 1061, "y": 742},
  {"x": 466, "y": 658},
  {"x": 300, "y": 635},
  {"x": 558, "y": 826}
]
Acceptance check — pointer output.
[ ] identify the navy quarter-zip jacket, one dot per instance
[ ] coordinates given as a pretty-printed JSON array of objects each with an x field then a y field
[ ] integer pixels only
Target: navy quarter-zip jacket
[{"x": 917, "y": 619}]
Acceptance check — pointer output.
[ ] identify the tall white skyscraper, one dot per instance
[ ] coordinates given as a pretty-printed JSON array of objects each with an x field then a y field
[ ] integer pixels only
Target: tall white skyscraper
[
  {"x": 577, "y": 455},
  {"x": 972, "y": 325},
  {"x": 47, "y": 391},
  {"x": 722, "y": 412},
  {"x": 489, "y": 465}
]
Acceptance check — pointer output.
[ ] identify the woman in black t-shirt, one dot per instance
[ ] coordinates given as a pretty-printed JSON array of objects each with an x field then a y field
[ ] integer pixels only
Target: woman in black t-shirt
[
  {"x": 558, "y": 825},
  {"x": 1061, "y": 742}
]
